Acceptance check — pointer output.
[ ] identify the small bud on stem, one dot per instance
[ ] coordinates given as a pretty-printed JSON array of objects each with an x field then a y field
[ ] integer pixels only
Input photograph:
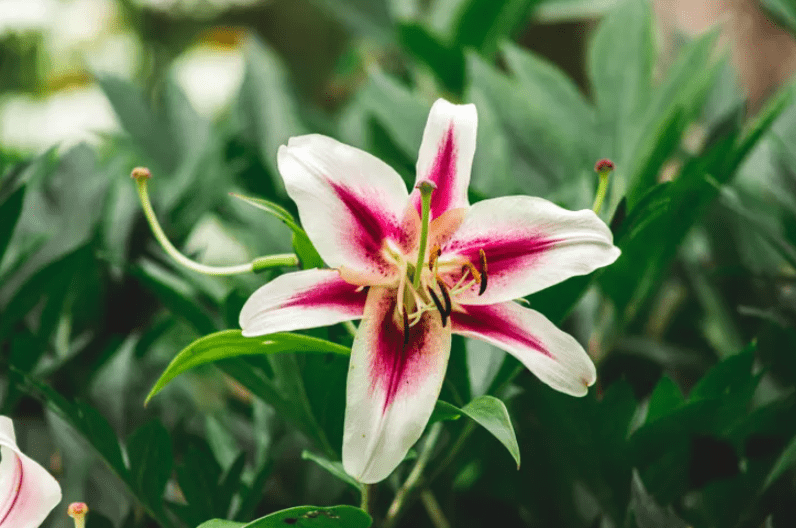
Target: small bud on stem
[
  {"x": 141, "y": 175},
  {"x": 603, "y": 168},
  {"x": 78, "y": 511}
]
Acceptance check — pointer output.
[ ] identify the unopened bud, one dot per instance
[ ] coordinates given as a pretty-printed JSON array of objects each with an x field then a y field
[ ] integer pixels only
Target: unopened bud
[
  {"x": 140, "y": 172},
  {"x": 78, "y": 511},
  {"x": 604, "y": 165}
]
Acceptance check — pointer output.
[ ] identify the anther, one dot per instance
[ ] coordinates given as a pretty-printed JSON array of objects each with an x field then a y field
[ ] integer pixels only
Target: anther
[
  {"x": 406, "y": 328},
  {"x": 439, "y": 306},
  {"x": 482, "y": 257},
  {"x": 468, "y": 266},
  {"x": 445, "y": 296},
  {"x": 432, "y": 260}
]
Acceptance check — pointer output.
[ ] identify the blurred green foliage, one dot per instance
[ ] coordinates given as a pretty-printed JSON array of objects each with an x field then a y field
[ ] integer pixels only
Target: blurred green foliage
[{"x": 693, "y": 419}]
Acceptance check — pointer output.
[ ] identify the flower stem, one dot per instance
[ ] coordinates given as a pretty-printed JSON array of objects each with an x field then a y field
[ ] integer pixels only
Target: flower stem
[
  {"x": 426, "y": 188},
  {"x": 414, "y": 478},
  {"x": 141, "y": 177},
  {"x": 366, "y": 497},
  {"x": 604, "y": 168}
]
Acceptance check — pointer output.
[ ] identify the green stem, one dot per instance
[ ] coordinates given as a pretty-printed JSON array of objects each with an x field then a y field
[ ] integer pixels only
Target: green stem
[
  {"x": 433, "y": 509},
  {"x": 414, "y": 478},
  {"x": 426, "y": 188},
  {"x": 258, "y": 264},
  {"x": 366, "y": 495},
  {"x": 602, "y": 188}
]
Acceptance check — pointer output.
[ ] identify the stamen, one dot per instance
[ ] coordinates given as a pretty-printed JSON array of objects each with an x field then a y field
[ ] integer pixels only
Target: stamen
[
  {"x": 474, "y": 272},
  {"x": 406, "y": 328},
  {"x": 446, "y": 296},
  {"x": 432, "y": 260},
  {"x": 442, "y": 311},
  {"x": 482, "y": 257}
]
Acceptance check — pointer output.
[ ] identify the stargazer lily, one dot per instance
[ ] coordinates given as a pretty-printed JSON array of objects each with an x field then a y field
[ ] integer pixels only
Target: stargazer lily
[
  {"x": 27, "y": 492},
  {"x": 418, "y": 267}
]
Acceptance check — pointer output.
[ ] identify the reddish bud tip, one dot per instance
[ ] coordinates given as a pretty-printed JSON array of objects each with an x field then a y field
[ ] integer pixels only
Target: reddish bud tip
[
  {"x": 604, "y": 165},
  {"x": 140, "y": 172},
  {"x": 77, "y": 509}
]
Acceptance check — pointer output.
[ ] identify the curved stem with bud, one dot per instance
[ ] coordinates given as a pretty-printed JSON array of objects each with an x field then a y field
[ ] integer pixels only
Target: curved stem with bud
[{"x": 141, "y": 176}]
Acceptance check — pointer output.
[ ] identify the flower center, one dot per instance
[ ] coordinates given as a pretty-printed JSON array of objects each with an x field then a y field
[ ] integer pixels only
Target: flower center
[{"x": 438, "y": 285}]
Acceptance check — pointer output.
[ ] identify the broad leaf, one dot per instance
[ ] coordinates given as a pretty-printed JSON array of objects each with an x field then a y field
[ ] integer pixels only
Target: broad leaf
[
  {"x": 492, "y": 415},
  {"x": 150, "y": 458},
  {"x": 231, "y": 344},
  {"x": 304, "y": 517}
]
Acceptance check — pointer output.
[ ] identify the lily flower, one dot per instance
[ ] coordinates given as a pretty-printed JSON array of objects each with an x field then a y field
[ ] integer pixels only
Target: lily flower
[
  {"x": 27, "y": 492},
  {"x": 417, "y": 268}
]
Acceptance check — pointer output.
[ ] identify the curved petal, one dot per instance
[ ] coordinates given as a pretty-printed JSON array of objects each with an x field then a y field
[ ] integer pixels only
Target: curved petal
[
  {"x": 393, "y": 385},
  {"x": 349, "y": 202},
  {"x": 529, "y": 244},
  {"x": 27, "y": 491},
  {"x": 446, "y": 155},
  {"x": 299, "y": 300},
  {"x": 554, "y": 356}
]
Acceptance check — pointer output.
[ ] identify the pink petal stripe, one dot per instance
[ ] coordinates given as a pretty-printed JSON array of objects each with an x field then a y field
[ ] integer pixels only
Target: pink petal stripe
[
  {"x": 489, "y": 323},
  {"x": 529, "y": 244},
  {"x": 399, "y": 359},
  {"x": 348, "y": 201},
  {"x": 27, "y": 491},
  {"x": 299, "y": 300},
  {"x": 443, "y": 174},
  {"x": 446, "y": 156},
  {"x": 554, "y": 356},
  {"x": 392, "y": 386},
  {"x": 17, "y": 479},
  {"x": 373, "y": 226}
]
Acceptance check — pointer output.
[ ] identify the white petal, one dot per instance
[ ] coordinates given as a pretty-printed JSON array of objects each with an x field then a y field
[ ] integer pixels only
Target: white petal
[
  {"x": 299, "y": 300},
  {"x": 27, "y": 491},
  {"x": 529, "y": 244},
  {"x": 349, "y": 202},
  {"x": 554, "y": 356},
  {"x": 446, "y": 155},
  {"x": 393, "y": 385}
]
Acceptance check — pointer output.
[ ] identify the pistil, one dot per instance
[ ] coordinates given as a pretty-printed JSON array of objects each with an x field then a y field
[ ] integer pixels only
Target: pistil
[{"x": 425, "y": 187}]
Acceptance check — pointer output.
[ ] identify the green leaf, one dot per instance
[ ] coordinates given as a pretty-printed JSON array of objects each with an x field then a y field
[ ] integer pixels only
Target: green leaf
[
  {"x": 10, "y": 210},
  {"x": 492, "y": 415},
  {"x": 664, "y": 399},
  {"x": 784, "y": 462},
  {"x": 219, "y": 523},
  {"x": 444, "y": 411},
  {"x": 138, "y": 120},
  {"x": 620, "y": 64},
  {"x": 230, "y": 344},
  {"x": 315, "y": 517},
  {"x": 305, "y": 250},
  {"x": 335, "y": 468},
  {"x": 551, "y": 11},
  {"x": 784, "y": 11},
  {"x": 402, "y": 113},
  {"x": 150, "y": 456},
  {"x": 176, "y": 294},
  {"x": 268, "y": 105},
  {"x": 730, "y": 377},
  {"x": 484, "y": 23}
]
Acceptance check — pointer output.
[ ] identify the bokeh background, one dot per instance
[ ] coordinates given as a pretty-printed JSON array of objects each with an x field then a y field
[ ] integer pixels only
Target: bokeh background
[{"x": 693, "y": 420}]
